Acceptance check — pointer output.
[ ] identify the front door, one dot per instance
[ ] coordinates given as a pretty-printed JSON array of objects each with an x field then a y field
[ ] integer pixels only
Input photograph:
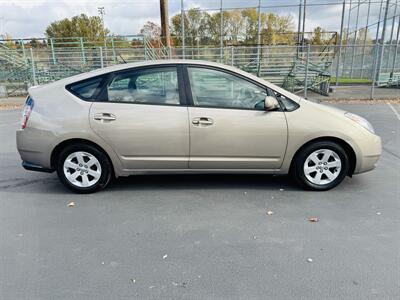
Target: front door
[
  {"x": 229, "y": 127},
  {"x": 142, "y": 120}
]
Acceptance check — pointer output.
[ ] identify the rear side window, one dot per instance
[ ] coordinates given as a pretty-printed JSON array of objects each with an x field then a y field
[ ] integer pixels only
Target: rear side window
[
  {"x": 86, "y": 89},
  {"x": 147, "y": 86}
]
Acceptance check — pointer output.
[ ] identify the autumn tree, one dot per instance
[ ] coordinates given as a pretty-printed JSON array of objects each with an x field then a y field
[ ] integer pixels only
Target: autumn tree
[{"x": 151, "y": 30}]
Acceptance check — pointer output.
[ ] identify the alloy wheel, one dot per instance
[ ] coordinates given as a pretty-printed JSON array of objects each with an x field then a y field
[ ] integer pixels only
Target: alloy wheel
[
  {"x": 82, "y": 169},
  {"x": 322, "y": 166}
]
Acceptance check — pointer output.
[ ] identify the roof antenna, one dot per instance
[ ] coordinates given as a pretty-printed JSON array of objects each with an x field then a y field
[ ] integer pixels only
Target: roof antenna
[{"x": 122, "y": 58}]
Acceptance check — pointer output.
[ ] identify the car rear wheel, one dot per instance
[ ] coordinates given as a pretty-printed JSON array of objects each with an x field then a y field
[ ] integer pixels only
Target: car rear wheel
[
  {"x": 84, "y": 168},
  {"x": 321, "y": 166}
]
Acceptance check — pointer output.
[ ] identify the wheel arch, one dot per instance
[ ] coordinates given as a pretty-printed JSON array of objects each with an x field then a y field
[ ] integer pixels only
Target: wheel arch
[
  {"x": 57, "y": 150},
  {"x": 346, "y": 146}
]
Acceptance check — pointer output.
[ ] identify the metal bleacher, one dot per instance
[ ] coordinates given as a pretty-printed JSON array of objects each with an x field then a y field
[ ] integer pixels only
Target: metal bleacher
[{"x": 282, "y": 65}]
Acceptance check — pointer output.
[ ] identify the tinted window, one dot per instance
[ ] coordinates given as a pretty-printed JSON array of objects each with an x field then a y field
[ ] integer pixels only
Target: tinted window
[
  {"x": 289, "y": 104},
  {"x": 212, "y": 88},
  {"x": 86, "y": 89},
  {"x": 153, "y": 86}
]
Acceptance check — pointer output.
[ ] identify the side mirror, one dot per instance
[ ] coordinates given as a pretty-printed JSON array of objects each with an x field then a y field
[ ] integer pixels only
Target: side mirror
[{"x": 270, "y": 103}]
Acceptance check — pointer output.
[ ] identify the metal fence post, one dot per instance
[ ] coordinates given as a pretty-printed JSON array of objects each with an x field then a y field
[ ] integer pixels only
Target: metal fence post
[
  {"x": 33, "y": 68},
  {"x": 365, "y": 40},
  {"x": 101, "y": 57},
  {"x": 380, "y": 58},
  {"x": 83, "y": 51},
  {"x": 347, "y": 38},
  {"x": 221, "y": 31},
  {"x": 113, "y": 50},
  {"x": 53, "y": 55},
  {"x": 298, "y": 30},
  {"x": 259, "y": 34},
  {"x": 391, "y": 36},
  {"x": 24, "y": 52},
  {"x": 355, "y": 40},
  {"x": 397, "y": 46},
  {"x": 145, "y": 47},
  {"x": 183, "y": 29},
  {"x": 306, "y": 74},
  {"x": 374, "y": 77},
  {"x": 340, "y": 43}
]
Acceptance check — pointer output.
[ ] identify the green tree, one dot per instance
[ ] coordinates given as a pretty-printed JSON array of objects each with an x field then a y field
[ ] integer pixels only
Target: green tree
[
  {"x": 90, "y": 28},
  {"x": 197, "y": 24}
]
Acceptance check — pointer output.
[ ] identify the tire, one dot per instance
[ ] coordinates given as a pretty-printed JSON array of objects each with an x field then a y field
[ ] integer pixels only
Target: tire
[
  {"x": 320, "y": 166},
  {"x": 83, "y": 168}
]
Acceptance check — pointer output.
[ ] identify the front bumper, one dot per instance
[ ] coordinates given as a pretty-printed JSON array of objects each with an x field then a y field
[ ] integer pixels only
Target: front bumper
[{"x": 369, "y": 154}]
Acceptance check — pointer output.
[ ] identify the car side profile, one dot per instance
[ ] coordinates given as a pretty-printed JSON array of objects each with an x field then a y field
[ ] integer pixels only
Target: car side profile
[{"x": 185, "y": 116}]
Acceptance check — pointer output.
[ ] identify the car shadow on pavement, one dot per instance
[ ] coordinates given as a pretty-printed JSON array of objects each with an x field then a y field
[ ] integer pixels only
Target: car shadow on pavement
[{"x": 204, "y": 181}]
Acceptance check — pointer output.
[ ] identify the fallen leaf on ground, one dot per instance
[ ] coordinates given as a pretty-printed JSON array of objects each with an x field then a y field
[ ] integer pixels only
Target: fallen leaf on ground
[
  {"x": 378, "y": 213},
  {"x": 165, "y": 256},
  {"x": 133, "y": 280},
  {"x": 309, "y": 260},
  {"x": 313, "y": 220},
  {"x": 71, "y": 204},
  {"x": 270, "y": 213}
]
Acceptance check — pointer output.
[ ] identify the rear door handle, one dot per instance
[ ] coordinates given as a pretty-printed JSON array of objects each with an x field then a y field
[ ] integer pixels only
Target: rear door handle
[
  {"x": 104, "y": 117},
  {"x": 202, "y": 121}
]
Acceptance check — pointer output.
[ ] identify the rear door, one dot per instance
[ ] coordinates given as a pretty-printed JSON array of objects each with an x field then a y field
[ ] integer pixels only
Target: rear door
[
  {"x": 229, "y": 127},
  {"x": 142, "y": 119}
]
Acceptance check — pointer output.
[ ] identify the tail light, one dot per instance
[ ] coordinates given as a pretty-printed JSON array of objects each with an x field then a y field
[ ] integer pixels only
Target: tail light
[{"x": 27, "y": 111}]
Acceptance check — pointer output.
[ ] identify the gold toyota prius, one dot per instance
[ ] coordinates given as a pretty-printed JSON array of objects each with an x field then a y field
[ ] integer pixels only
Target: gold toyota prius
[{"x": 185, "y": 116}]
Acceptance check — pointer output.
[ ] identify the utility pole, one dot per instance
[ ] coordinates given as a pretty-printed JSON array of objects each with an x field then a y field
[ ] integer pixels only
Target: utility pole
[{"x": 165, "y": 22}]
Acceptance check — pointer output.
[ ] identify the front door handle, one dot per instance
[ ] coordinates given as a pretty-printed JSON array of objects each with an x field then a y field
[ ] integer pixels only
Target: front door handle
[
  {"x": 202, "y": 121},
  {"x": 104, "y": 117}
]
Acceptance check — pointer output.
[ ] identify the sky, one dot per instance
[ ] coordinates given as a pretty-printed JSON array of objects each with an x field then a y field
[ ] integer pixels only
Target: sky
[{"x": 29, "y": 18}]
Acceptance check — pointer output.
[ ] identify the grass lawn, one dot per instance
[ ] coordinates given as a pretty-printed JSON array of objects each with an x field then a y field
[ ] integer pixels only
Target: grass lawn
[{"x": 352, "y": 80}]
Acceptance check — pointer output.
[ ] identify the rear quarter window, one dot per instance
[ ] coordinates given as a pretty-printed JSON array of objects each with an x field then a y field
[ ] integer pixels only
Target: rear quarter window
[{"x": 86, "y": 89}]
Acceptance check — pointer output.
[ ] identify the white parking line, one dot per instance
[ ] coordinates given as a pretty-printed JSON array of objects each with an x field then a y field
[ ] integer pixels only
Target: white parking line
[{"x": 396, "y": 113}]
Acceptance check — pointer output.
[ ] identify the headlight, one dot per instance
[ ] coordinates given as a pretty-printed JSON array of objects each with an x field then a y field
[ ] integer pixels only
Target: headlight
[{"x": 361, "y": 121}]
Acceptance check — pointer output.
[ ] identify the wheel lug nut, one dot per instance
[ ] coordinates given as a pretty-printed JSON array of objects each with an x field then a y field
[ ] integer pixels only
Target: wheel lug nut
[
  {"x": 86, "y": 166},
  {"x": 326, "y": 168},
  {"x": 78, "y": 169},
  {"x": 80, "y": 165}
]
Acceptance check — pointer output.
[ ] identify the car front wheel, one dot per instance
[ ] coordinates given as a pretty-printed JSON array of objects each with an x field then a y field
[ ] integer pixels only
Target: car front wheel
[
  {"x": 84, "y": 168},
  {"x": 321, "y": 166}
]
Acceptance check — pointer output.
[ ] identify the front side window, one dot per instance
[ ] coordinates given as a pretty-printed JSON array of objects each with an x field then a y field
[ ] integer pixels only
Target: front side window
[
  {"x": 151, "y": 86},
  {"x": 213, "y": 88}
]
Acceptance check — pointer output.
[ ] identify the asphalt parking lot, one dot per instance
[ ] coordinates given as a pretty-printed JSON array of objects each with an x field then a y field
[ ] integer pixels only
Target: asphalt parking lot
[{"x": 201, "y": 236}]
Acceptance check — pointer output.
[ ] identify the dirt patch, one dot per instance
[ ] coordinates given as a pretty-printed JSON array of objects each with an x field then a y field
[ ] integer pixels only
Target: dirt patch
[{"x": 9, "y": 106}]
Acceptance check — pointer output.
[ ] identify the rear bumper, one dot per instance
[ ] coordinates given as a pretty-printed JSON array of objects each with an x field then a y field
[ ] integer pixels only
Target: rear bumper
[{"x": 32, "y": 167}]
